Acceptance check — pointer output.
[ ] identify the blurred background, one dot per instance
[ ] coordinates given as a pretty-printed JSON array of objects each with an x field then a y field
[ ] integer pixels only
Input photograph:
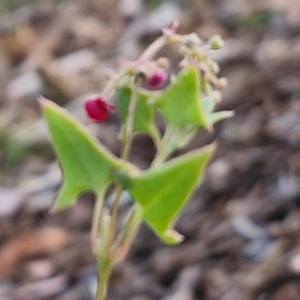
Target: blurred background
[{"x": 242, "y": 226}]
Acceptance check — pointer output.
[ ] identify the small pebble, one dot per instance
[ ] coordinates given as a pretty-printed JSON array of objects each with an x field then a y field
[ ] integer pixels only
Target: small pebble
[
  {"x": 219, "y": 174},
  {"x": 11, "y": 201},
  {"x": 294, "y": 263}
]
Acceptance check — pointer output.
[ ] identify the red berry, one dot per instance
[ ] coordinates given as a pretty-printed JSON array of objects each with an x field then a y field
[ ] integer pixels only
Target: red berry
[
  {"x": 98, "y": 109},
  {"x": 157, "y": 78}
]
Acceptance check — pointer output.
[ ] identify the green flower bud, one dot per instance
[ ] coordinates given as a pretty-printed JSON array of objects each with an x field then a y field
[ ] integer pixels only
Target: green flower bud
[{"x": 216, "y": 42}]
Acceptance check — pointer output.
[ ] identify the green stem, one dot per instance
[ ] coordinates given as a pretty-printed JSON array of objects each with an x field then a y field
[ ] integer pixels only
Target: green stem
[
  {"x": 104, "y": 255},
  {"x": 128, "y": 137},
  {"x": 109, "y": 232},
  {"x": 128, "y": 133},
  {"x": 96, "y": 222},
  {"x": 105, "y": 270}
]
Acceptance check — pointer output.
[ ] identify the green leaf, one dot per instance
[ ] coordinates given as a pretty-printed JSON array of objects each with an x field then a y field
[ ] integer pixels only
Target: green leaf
[
  {"x": 163, "y": 191},
  {"x": 86, "y": 164},
  {"x": 144, "y": 113},
  {"x": 180, "y": 104}
]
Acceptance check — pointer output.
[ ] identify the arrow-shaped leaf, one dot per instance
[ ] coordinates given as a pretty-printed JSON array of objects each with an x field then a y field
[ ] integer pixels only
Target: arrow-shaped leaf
[
  {"x": 86, "y": 164},
  {"x": 163, "y": 191}
]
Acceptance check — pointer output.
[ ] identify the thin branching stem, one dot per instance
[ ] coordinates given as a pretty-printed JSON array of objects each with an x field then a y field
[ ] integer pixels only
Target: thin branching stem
[
  {"x": 153, "y": 48},
  {"x": 114, "y": 245},
  {"x": 128, "y": 137},
  {"x": 107, "y": 252}
]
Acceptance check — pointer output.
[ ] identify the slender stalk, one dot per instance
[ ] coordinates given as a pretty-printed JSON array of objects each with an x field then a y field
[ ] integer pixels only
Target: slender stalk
[
  {"x": 153, "y": 48},
  {"x": 158, "y": 44},
  {"x": 96, "y": 222},
  {"x": 115, "y": 246},
  {"x": 104, "y": 255},
  {"x": 105, "y": 269},
  {"x": 109, "y": 232},
  {"x": 128, "y": 136}
]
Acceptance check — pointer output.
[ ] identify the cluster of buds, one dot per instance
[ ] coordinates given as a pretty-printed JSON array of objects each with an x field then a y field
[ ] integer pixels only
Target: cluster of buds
[
  {"x": 194, "y": 52},
  {"x": 152, "y": 73}
]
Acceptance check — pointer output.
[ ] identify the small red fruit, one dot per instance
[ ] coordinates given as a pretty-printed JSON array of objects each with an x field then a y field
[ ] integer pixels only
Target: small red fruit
[{"x": 98, "y": 109}]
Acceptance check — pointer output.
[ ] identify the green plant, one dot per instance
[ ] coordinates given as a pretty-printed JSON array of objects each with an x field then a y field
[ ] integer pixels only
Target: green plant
[{"x": 159, "y": 193}]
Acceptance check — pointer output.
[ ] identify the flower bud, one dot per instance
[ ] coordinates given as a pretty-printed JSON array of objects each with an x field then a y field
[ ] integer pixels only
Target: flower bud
[
  {"x": 222, "y": 83},
  {"x": 216, "y": 96},
  {"x": 163, "y": 62},
  {"x": 214, "y": 67},
  {"x": 216, "y": 42},
  {"x": 98, "y": 109},
  {"x": 192, "y": 40},
  {"x": 156, "y": 79}
]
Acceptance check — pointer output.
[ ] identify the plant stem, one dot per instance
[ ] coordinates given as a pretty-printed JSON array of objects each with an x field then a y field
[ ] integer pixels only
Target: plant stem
[
  {"x": 105, "y": 269},
  {"x": 114, "y": 247},
  {"x": 128, "y": 133},
  {"x": 153, "y": 48},
  {"x": 105, "y": 258},
  {"x": 128, "y": 136},
  {"x": 96, "y": 222}
]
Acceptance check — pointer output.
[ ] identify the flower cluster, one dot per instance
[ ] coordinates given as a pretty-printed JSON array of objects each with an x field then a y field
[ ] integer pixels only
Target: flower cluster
[{"x": 152, "y": 73}]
